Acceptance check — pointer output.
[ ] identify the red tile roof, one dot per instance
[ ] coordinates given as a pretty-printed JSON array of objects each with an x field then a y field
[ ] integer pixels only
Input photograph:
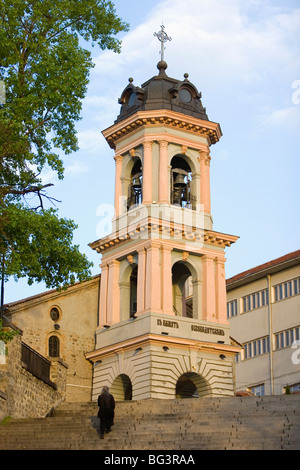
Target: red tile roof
[{"x": 263, "y": 267}]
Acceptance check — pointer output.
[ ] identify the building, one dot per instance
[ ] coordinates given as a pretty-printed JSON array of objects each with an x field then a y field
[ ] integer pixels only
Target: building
[
  {"x": 263, "y": 308},
  {"x": 61, "y": 324},
  {"x": 150, "y": 342}
]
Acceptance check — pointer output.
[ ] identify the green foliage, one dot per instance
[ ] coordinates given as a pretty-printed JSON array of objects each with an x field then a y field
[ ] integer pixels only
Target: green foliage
[
  {"x": 46, "y": 73},
  {"x": 6, "y": 336},
  {"x": 45, "y": 67},
  {"x": 38, "y": 245},
  {"x": 6, "y": 420}
]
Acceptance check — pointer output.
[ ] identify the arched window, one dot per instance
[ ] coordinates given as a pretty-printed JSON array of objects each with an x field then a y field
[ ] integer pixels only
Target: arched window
[
  {"x": 54, "y": 346},
  {"x": 181, "y": 183},
  {"x": 135, "y": 186}
]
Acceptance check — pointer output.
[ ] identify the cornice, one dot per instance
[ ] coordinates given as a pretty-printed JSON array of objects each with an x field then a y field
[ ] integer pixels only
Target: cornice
[
  {"x": 144, "y": 231},
  {"x": 170, "y": 119},
  {"x": 151, "y": 338}
]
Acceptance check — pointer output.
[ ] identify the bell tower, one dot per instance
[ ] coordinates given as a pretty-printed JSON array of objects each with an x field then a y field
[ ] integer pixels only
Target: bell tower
[{"x": 163, "y": 329}]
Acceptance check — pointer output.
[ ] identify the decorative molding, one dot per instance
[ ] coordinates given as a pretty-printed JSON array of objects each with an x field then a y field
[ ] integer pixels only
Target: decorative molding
[{"x": 210, "y": 130}]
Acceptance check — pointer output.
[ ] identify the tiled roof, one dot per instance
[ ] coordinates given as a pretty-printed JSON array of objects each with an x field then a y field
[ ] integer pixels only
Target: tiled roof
[
  {"x": 263, "y": 267},
  {"x": 48, "y": 292}
]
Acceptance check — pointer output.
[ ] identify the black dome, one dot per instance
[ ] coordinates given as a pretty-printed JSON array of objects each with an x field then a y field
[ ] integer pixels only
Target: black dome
[{"x": 162, "y": 92}]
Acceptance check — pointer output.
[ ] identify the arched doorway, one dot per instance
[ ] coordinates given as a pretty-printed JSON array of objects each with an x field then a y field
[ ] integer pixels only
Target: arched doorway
[
  {"x": 192, "y": 385},
  {"x": 121, "y": 388}
]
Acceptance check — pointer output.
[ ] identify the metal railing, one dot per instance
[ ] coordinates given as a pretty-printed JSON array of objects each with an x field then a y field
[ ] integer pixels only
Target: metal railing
[{"x": 36, "y": 364}]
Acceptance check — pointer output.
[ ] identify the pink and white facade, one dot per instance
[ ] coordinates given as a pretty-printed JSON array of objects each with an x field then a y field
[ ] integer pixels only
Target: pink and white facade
[{"x": 162, "y": 327}]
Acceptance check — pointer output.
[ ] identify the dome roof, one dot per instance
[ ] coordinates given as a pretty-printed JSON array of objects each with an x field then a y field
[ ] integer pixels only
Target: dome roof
[{"x": 162, "y": 92}]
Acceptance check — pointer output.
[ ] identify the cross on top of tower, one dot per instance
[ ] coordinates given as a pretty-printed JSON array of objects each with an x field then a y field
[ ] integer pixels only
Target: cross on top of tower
[{"x": 163, "y": 38}]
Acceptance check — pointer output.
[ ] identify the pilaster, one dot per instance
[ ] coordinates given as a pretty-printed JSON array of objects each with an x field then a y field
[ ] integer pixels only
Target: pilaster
[
  {"x": 205, "y": 180},
  {"x": 147, "y": 172},
  {"x": 163, "y": 172}
]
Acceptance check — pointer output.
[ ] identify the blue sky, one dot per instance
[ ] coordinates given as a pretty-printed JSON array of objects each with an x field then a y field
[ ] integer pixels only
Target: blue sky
[{"x": 243, "y": 55}]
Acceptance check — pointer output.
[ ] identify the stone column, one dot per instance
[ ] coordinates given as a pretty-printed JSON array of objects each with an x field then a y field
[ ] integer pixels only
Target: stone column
[
  {"x": 166, "y": 286},
  {"x": 208, "y": 289},
  {"x": 113, "y": 296},
  {"x": 103, "y": 295},
  {"x": 205, "y": 180},
  {"x": 147, "y": 173},
  {"x": 163, "y": 172},
  {"x": 118, "y": 183}
]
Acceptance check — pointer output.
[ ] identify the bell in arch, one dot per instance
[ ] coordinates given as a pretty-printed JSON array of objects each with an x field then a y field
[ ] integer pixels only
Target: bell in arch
[
  {"x": 136, "y": 181},
  {"x": 179, "y": 181}
]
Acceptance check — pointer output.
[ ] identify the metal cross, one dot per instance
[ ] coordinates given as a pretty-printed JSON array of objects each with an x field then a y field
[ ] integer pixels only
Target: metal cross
[{"x": 163, "y": 37}]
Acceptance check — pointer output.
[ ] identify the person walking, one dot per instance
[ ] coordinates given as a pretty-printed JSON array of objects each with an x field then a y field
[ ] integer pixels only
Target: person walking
[{"x": 106, "y": 413}]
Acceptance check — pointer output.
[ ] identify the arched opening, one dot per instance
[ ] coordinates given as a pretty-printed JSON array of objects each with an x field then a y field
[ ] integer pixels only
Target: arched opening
[
  {"x": 128, "y": 289},
  {"x": 135, "y": 194},
  {"x": 181, "y": 183},
  {"x": 133, "y": 292},
  {"x": 182, "y": 290},
  {"x": 192, "y": 385},
  {"x": 121, "y": 388}
]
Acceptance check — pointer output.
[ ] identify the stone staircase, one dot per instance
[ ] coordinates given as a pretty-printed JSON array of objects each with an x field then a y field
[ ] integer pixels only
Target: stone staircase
[{"x": 233, "y": 423}]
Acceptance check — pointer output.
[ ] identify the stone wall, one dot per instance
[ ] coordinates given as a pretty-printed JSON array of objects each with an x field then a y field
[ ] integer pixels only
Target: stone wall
[{"x": 22, "y": 395}]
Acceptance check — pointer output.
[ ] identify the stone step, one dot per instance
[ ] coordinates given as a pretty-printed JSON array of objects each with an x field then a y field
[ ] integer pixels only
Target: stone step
[{"x": 190, "y": 424}]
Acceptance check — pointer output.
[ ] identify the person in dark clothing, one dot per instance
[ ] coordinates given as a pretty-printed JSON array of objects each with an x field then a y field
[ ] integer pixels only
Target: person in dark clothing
[{"x": 106, "y": 413}]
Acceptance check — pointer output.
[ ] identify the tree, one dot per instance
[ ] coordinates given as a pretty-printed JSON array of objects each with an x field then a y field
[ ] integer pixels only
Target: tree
[{"x": 45, "y": 67}]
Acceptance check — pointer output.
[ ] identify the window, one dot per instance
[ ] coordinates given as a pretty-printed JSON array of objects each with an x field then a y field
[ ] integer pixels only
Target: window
[
  {"x": 54, "y": 346},
  {"x": 285, "y": 339},
  {"x": 54, "y": 314},
  {"x": 295, "y": 387},
  {"x": 232, "y": 309},
  {"x": 257, "y": 347},
  {"x": 287, "y": 289},
  {"x": 255, "y": 300},
  {"x": 258, "y": 390}
]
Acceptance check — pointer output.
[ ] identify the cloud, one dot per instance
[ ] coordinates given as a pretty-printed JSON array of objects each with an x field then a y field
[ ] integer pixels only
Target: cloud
[
  {"x": 76, "y": 169},
  {"x": 218, "y": 43},
  {"x": 286, "y": 119}
]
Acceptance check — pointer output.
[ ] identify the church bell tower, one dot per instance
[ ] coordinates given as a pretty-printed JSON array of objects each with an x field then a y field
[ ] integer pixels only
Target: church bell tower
[{"x": 162, "y": 329}]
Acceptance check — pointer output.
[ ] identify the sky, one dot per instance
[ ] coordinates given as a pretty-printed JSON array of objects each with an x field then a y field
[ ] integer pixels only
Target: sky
[{"x": 244, "y": 57}]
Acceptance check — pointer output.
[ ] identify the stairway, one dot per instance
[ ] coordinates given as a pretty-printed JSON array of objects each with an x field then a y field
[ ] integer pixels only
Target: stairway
[{"x": 233, "y": 423}]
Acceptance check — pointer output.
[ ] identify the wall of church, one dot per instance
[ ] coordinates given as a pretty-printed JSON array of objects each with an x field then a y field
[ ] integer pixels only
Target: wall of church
[{"x": 74, "y": 329}]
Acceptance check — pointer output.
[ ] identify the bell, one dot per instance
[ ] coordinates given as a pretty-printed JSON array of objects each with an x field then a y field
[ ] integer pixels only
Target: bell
[
  {"x": 179, "y": 181},
  {"x": 136, "y": 181}
]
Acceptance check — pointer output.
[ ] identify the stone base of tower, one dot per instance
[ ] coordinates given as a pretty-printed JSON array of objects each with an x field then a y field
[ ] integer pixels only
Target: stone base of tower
[{"x": 158, "y": 357}]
